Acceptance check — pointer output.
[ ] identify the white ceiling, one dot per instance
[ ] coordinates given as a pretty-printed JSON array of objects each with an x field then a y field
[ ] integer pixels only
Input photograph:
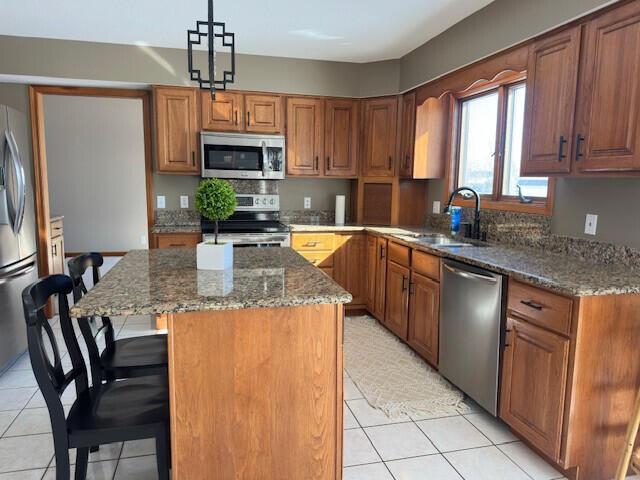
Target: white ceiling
[{"x": 344, "y": 30}]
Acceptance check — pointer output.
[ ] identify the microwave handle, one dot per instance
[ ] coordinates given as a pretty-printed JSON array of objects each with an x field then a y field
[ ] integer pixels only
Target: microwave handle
[{"x": 265, "y": 158}]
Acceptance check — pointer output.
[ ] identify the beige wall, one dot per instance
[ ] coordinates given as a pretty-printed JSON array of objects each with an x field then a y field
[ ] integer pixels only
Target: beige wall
[
  {"x": 95, "y": 164},
  {"x": 150, "y": 65}
]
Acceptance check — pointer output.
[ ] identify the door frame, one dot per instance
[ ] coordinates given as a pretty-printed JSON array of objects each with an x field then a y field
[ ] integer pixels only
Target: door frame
[{"x": 41, "y": 188}]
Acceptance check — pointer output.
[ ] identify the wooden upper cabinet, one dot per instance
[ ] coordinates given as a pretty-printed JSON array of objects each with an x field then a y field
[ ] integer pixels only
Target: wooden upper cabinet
[
  {"x": 224, "y": 114},
  {"x": 380, "y": 122},
  {"x": 431, "y": 138},
  {"x": 407, "y": 132},
  {"x": 424, "y": 317},
  {"x": 177, "y": 129},
  {"x": 609, "y": 95},
  {"x": 534, "y": 377},
  {"x": 341, "y": 137},
  {"x": 552, "y": 78},
  {"x": 305, "y": 135},
  {"x": 263, "y": 113},
  {"x": 397, "y": 299}
]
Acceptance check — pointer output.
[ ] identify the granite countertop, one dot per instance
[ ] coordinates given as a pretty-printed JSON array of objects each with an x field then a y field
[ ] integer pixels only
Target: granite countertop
[
  {"x": 187, "y": 228},
  {"x": 563, "y": 274},
  {"x": 167, "y": 281}
]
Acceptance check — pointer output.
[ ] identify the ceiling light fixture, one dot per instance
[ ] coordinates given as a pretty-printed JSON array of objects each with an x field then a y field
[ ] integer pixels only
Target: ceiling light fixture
[{"x": 194, "y": 37}]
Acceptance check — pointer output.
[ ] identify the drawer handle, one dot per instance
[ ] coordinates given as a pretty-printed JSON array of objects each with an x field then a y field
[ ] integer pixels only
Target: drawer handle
[
  {"x": 532, "y": 304},
  {"x": 311, "y": 244}
]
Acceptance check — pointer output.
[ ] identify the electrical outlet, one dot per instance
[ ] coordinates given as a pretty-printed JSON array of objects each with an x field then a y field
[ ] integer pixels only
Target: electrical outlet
[
  {"x": 160, "y": 201},
  {"x": 591, "y": 224},
  {"x": 436, "y": 206},
  {"x": 184, "y": 201},
  {"x": 307, "y": 202}
]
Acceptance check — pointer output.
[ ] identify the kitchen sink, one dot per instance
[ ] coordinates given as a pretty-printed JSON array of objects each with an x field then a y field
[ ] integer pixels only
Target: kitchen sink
[{"x": 442, "y": 241}]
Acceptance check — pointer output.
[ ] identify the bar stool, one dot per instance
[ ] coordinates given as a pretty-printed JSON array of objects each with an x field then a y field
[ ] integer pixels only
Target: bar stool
[
  {"x": 631, "y": 454},
  {"x": 132, "y": 409},
  {"x": 123, "y": 358}
]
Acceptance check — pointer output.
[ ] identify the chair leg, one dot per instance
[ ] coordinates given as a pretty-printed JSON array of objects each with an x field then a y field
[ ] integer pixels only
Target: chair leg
[
  {"x": 162, "y": 455},
  {"x": 63, "y": 467},
  {"x": 82, "y": 459}
]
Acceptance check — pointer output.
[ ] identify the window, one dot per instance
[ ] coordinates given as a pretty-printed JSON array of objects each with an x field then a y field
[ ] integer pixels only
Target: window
[{"x": 489, "y": 131}]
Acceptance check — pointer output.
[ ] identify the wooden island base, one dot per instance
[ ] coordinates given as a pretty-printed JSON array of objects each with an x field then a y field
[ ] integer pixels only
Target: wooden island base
[{"x": 256, "y": 393}]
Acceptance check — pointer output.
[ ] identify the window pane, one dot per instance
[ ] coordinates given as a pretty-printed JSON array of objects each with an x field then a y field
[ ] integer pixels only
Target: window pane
[
  {"x": 531, "y": 186},
  {"x": 478, "y": 142}
]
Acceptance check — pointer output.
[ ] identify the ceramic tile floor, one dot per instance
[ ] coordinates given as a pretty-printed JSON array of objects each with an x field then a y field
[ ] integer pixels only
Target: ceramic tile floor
[{"x": 471, "y": 447}]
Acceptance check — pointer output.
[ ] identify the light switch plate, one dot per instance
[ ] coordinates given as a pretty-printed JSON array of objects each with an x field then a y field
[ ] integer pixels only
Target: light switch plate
[
  {"x": 160, "y": 201},
  {"x": 307, "y": 202},
  {"x": 143, "y": 240},
  {"x": 591, "y": 224},
  {"x": 436, "y": 206},
  {"x": 184, "y": 201}
]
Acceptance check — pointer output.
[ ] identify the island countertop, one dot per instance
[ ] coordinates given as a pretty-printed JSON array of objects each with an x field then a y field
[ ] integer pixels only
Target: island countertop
[{"x": 167, "y": 281}]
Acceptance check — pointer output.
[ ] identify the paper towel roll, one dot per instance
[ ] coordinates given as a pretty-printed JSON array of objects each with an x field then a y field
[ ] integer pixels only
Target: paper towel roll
[{"x": 340, "y": 203}]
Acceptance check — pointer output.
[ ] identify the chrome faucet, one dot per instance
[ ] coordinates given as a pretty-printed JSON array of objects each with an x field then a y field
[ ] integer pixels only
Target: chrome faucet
[{"x": 475, "y": 233}]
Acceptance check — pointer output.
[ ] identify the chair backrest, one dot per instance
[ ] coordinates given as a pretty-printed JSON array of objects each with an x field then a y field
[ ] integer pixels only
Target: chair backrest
[
  {"x": 77, "y": 268},
  {"x": 46, "y": 363}
]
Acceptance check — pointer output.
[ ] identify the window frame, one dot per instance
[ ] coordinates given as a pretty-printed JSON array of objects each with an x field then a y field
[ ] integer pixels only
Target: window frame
[{"x": 496, "y": 200}]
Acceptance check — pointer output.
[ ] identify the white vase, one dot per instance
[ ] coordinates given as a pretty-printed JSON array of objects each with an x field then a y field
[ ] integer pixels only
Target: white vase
[{"x": 211, "y": 256}]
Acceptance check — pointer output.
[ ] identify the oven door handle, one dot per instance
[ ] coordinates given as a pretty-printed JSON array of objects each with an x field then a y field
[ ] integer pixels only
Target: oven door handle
[{"x": 265, "y": 158}]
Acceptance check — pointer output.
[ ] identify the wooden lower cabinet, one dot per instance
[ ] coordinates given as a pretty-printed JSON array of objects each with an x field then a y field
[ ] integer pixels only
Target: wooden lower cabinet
[
  {"x": 379, "y": 279},
  {"x": 424, "y": 317},
  {"x": 534, "y": 378},
  {"x": 176, "y": 240},
  {"x": 397, "y": 299},
  {"x": 341, "y": 256}
]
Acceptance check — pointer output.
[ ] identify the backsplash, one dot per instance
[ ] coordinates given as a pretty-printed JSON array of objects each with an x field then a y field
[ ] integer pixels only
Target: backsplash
[
  {"x": 308, "y": 217},
  {"x": 534, "y": 231},
  {"x": 180, "y": 217}
]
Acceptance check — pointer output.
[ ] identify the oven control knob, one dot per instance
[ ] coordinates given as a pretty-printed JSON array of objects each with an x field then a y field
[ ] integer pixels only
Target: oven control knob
[{"x": 272, "y": 201}]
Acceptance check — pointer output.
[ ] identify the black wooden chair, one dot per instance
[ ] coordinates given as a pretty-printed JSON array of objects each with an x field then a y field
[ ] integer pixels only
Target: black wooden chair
[
  {"x": 123, "y": 358},
  {"x": 131, "y": 409}
]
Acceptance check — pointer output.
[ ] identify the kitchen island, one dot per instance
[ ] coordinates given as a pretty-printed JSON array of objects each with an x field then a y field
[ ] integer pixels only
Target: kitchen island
[{"x": 255, "y": 359}]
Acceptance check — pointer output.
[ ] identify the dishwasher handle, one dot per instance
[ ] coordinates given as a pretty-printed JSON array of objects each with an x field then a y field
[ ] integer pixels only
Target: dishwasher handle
[{"x": 470, "y": 275}]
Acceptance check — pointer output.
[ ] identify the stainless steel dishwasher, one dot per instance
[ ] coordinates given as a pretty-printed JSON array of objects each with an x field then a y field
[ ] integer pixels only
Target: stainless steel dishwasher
[{"x": 471, "y": 312}]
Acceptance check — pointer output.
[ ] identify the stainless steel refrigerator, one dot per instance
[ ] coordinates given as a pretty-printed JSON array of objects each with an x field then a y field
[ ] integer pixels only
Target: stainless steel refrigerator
[{"x": 18, "y": 266}]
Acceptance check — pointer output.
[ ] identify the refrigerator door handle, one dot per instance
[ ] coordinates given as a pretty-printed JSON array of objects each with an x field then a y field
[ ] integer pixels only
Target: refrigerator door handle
[
  {"x": 20, "y": 180},
  {"x": 17, "y": 273}
]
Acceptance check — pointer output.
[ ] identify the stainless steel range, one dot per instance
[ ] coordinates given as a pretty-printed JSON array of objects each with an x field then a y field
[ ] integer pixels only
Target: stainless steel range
[{"x": 255, "y": 223}]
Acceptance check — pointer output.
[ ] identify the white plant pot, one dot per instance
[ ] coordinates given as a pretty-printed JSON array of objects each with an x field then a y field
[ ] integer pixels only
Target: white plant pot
[{"x": 211, "y": 256}]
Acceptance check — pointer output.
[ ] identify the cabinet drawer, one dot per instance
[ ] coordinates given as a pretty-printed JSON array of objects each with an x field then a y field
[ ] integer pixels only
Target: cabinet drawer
[
  {"x": 399, "y": 254},
  {"x": 56, "y": 228},
  {"x": 313, "y": 241},
  {"x": 177, "y": 240},
  {"x": 319, "y": 259},
  {"x": 426, "y": 264},
  {"x": 541, "y": 307}
]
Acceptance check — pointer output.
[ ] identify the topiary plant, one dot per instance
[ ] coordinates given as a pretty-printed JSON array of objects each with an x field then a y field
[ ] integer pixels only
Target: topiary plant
[{"x": 215, "y": 200}]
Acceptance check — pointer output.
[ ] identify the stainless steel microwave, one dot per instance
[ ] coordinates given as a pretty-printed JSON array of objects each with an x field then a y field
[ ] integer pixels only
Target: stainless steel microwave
[{"x": 239, "y": 155}]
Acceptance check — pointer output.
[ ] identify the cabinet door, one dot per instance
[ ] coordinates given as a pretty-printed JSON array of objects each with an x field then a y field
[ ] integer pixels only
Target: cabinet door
[
  {"x": 305, "y": 135},
  {"x": 407, "y": 134},
  {"x": 349, "y": 265},
  {"x": 224, "y": 114},
  {"x": 534, "y": 377},
  {"x": 397, "y": 308},
  {"x": 372, "y": 263},
  {"x": 380, "y": 121},
  {"x": 176, "y": 118},
  {"x": 431, "y": 138},
  {"x": 424, "y": 317},
  {"x": 609, "y": 96},
  {"x": 341, "y": 138},
  {"x": 552, "y": 79},
  {"x": 264, "y": 113},
  {"x": 381, "y": 278}
]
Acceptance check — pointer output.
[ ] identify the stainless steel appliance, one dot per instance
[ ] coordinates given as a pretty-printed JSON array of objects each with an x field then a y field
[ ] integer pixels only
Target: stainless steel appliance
[
  {"x": 471, "y": 313},
  {"x": 255, "y": 223},
  {"x": 17, "y": 231},
  {"x": 239, "y": 155}
]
